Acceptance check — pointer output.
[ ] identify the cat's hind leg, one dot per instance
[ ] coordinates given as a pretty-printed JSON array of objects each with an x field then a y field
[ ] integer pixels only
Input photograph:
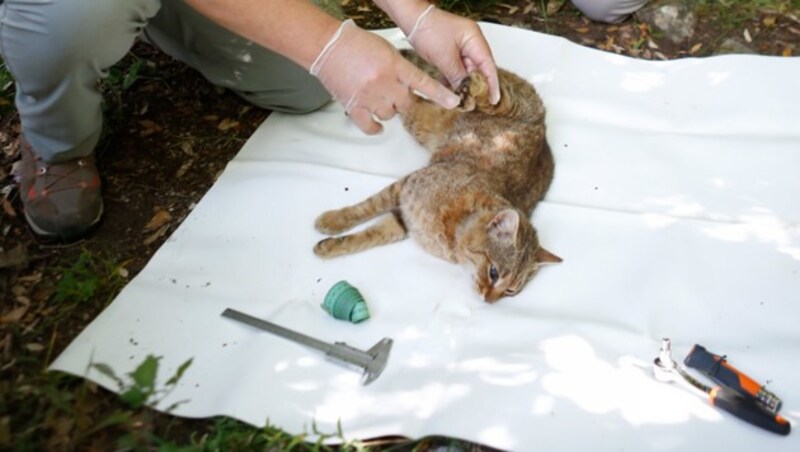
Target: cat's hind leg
[
  {"x": 518, "y": 98},
  {"x": 474, "y": 92},
  {"x": 389, "y": 229}
]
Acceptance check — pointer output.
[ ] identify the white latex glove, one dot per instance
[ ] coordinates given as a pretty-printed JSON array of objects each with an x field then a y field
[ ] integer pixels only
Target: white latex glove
[
  {"x": 456, "y": 46},
  {"x": 371, "y": 79}
]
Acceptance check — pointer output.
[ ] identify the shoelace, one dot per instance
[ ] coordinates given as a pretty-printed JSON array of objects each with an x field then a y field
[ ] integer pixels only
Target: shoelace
[{"x": 46, "y": 170}]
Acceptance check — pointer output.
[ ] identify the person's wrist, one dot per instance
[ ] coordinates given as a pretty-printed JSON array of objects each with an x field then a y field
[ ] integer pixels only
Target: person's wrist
[
  {"x": 328, "y": 48},
  {"x": 404, "y": 13}
]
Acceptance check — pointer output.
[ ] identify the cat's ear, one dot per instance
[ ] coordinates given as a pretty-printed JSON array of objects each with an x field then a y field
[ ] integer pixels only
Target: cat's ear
[
  {"x": 543, "y": 256},
  {"x": 504, "y": 225}
]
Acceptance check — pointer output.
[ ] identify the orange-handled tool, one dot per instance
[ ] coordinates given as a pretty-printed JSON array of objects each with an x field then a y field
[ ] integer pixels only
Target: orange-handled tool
[
  {"x": 665, "y": 369},
  {"x": 747, "y": 410},
  {"x": 719, "y": 370}
]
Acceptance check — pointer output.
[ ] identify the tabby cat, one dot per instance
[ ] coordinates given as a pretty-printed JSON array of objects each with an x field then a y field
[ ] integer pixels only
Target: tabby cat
[{"x": 490, "y": 166}]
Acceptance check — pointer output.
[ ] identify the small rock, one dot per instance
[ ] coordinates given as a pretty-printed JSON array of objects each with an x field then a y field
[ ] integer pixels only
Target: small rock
[
  {"x": 731, "y": 46},
  {"x": 675, "y": 18}
]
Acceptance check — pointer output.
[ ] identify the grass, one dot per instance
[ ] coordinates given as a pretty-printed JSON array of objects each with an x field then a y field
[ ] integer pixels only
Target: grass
[
  {"x": 732, "y": 14},
  {"x": 87, "y": 276},
  {"x": 731, "y": 17},
  {"x": 42, "y": 410},
  {"x": 50, "y": 410}
]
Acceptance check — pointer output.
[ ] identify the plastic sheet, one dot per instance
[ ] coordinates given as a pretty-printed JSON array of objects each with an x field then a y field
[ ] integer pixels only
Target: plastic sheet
[{"x": 675, "y": 209}]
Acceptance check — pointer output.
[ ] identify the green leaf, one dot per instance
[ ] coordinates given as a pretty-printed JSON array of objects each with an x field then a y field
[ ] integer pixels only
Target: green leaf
[
  {"x": 132, "y": 75},
  {"x": 144, "y": 377},
  {"x": 116, "y": 418},
  {"x": 179, "y": 373},
  {"x": 106, "y": 370},
  {"x": 135, "y": 396}
]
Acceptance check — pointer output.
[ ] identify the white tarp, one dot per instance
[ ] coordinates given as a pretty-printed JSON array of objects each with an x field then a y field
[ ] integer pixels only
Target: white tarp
[{"x": 675, "y": 208}]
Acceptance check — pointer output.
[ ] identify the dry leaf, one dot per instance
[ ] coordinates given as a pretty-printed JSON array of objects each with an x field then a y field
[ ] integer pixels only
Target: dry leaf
[
  {"x": 554, "y": 6},
  {"x": 227, "y": 124},
  {"x": 123, "y": 272},
  {"x": 183, "y": 169},
  {"x": 15, "y": 257},
  {"x": 159, "y": 219},
  {"x": 747, "y": 36},
  {"x": 696, "y": 48},
  {"x": 787, "y": 51},
  {"x": 652, "y": 44},
  {"x": 34, "y": 347},
  {"x": 210, "y": 118},
  {"x": 14, "y": 315},
  {"x": 770, "y": 21},
  {"x": 156, "y": 235},
  {"x": 18, "y": 290},
  {"x": 186, "y": 147},
  {"x": 149, "y": 127},
  {"x": 9, "y": 209},
  {"x": 582, "y": 30},
  {"x": 33, "y": 278},
  {"x": 148, "y": 124},
  {"x": 148, "y": 88}
]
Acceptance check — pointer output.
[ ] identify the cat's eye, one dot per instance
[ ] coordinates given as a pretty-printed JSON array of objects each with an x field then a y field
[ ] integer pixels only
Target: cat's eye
[{"x": 493, "y": 275}]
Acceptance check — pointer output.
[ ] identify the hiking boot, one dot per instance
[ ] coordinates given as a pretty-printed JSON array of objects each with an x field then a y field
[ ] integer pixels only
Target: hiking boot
[{"x": 61, "y": 200}]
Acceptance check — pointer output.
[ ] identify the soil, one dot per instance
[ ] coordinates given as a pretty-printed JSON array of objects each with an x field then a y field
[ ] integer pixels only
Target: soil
[{"x": 169, "y": 134}]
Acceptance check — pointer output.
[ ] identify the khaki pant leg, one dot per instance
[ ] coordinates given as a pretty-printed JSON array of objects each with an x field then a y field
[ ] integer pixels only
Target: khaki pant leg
[
  {"x": 610, "y": 11},
  {"x": 56, "y": 50}
]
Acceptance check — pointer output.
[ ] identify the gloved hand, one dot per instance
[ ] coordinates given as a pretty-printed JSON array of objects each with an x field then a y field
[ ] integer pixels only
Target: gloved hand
[
  {"x": 371, "y": 79},
  {"x": 456, "y": 46}
]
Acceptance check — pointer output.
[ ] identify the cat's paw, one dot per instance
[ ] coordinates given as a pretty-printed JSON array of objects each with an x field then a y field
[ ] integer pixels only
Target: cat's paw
[
  {"x": 331, "y": 223},
  {"x": 474, "y": 92},
  {"x": 328, "y": 248}
]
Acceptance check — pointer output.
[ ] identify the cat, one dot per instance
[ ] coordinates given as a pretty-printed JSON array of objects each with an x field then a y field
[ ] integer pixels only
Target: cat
[{"x": 489, "y": 167}]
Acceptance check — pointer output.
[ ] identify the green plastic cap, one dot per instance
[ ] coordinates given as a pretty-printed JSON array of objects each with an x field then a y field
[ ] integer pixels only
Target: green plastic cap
[{"x": 345, "y": 302}]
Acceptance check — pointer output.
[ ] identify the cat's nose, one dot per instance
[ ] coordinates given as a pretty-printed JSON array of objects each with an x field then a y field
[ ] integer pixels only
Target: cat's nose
[{"x": 492, "y": 295}]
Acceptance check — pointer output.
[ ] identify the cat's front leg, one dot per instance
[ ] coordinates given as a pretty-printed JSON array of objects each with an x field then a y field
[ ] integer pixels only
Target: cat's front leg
[
  {"x": 389, "y": 230},
  {"x": 335, "y": 222}
]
